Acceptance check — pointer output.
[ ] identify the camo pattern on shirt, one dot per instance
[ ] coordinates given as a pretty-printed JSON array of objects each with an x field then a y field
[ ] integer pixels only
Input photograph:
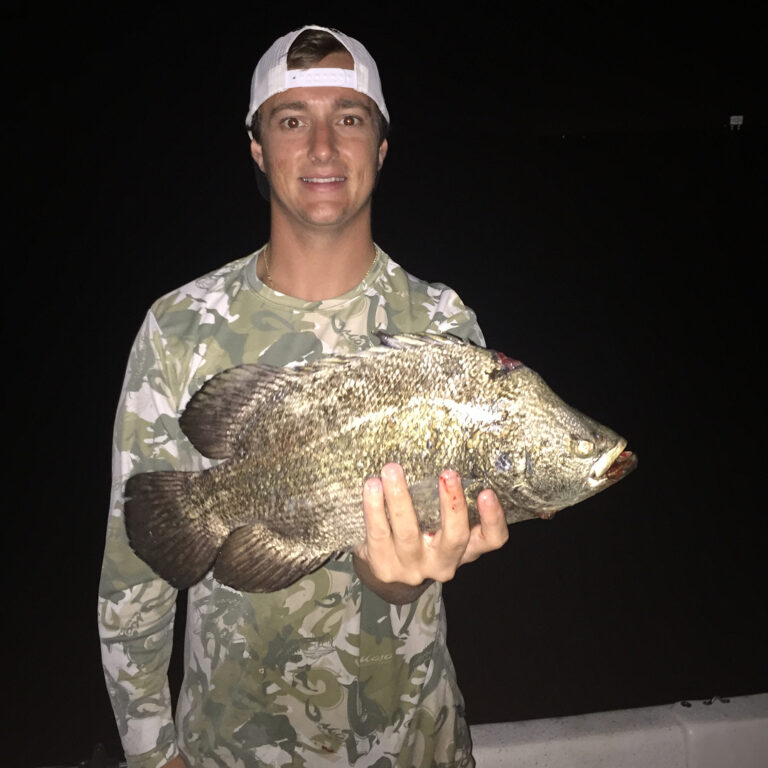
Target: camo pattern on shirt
[{"x": 321, "y": 673}]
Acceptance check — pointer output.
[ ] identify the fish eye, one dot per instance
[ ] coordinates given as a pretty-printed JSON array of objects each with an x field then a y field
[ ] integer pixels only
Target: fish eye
[{"x": 582, "y": 447}]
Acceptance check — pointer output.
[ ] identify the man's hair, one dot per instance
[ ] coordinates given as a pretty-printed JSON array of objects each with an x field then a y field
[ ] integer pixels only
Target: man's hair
[{"x": 311, "y": 46}]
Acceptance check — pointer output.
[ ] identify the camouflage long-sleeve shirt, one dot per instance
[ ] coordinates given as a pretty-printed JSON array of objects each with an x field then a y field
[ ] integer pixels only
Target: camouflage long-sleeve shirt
[{"x": 321, "y": 673}]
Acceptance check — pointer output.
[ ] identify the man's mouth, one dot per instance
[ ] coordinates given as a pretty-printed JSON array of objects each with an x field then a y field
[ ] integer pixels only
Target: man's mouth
[{"x": 323, "y": 180}]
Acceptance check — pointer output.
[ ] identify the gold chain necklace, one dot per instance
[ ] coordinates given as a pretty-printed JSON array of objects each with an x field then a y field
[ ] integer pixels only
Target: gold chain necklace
[
  {"x": 269, "y": 280},
  {"x": 271, "y": 283}
]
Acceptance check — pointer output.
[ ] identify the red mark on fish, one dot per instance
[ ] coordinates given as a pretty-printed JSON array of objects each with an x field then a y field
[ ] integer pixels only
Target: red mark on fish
[{"x": 508, "y": 363}]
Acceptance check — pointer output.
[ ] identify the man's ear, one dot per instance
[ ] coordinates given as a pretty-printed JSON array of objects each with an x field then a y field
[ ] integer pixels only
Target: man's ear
[
  {"x": 383, "y": 147},
  {"x": 257, "y": 153}
]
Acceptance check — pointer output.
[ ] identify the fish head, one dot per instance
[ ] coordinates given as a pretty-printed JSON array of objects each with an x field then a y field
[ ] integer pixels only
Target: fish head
[{"x": 545, "y": 454}]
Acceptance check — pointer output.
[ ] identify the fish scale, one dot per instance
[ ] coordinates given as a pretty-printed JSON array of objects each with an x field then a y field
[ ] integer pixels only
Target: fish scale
[{"x": 298, "y": 443}]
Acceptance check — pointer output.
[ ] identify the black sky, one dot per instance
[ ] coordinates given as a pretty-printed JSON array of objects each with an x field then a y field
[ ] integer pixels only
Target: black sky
[{"x": 569, "y": 170}]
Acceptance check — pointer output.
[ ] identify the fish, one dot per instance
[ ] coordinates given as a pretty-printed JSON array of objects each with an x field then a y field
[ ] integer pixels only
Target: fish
[{"x": 295, "y": 445}]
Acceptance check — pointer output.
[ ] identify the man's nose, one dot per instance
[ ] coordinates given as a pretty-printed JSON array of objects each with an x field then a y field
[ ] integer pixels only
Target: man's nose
[{"x": 323, "y": 143}]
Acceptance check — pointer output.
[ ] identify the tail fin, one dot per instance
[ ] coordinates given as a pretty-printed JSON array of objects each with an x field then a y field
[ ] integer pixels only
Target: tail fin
[{"x": 166, "y": 531}]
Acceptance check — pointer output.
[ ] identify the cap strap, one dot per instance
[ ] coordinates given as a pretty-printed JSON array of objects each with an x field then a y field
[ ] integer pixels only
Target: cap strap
[{"x": 330, "y": 76}]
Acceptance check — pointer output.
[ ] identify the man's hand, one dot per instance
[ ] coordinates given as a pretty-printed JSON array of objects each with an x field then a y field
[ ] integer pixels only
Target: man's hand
[
  {"x": 396, "y": 560},
  {"x": 177, "y": 762}
]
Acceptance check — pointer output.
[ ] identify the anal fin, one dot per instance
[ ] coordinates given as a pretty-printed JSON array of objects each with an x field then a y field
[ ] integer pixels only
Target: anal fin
[{"x": 254, "y": 558}]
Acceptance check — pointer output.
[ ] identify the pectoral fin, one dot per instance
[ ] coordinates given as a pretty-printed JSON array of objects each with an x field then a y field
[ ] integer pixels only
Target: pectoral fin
[{"x": 426, "y": 500}]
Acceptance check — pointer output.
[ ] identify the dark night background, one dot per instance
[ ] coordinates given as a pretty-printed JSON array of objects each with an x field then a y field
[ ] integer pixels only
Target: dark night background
[{"x": 567, "y": 167}]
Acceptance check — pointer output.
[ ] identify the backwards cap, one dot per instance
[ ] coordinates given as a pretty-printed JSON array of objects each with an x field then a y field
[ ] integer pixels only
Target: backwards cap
[{"x": 272, "y": 75}]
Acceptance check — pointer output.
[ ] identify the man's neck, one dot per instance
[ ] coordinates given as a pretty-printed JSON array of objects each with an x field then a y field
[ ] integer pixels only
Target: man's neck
[{"x": 317, "y": 265}]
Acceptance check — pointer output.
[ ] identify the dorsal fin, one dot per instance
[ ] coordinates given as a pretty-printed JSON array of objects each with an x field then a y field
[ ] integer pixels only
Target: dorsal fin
[
  {"x": 217, "y": 414},
  {"x": 220, "y": 409},
  {"x": 411, "y": 340}
]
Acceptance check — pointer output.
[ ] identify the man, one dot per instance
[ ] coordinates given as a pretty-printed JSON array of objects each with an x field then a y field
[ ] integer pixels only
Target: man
[{"x": 348, "y": 665}]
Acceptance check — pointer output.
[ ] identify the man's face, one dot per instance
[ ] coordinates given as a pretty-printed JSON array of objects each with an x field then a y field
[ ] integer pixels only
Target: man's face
[{"x": 319, "y": 149}]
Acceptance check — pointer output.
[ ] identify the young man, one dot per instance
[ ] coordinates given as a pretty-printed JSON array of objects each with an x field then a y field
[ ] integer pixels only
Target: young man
[{"x": 349, "y": 665}]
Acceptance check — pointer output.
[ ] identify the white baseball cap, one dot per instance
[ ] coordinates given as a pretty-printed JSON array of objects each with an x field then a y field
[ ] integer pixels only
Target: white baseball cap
[{"x": 272, "y": 75}]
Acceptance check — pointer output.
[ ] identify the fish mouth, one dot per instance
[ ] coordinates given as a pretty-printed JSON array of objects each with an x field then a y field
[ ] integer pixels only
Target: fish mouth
[{"x": 612, "y": 466}]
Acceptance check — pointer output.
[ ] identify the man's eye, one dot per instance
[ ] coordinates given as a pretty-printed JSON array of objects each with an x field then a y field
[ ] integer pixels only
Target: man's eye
[
  {"x": 350, "y": 120},
  {"x": 291, "y": 122}
]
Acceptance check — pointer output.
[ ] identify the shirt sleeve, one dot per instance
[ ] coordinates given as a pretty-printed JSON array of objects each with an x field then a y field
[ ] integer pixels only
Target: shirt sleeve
[
  {"x": 136, "y": 607},
  {"x": 451, "y": 315}
]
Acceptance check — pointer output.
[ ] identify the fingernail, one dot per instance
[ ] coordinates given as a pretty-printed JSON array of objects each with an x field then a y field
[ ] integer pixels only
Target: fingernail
[
  {"x": 391, "y": 471},
  {"x": 373, "y": 485},
  {"x": 488, "y": 494},
  {"x": 450, "y": 477}
]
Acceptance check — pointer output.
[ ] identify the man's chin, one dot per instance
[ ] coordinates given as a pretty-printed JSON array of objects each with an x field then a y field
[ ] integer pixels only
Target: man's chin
[{"x": 327, "y": 214}]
